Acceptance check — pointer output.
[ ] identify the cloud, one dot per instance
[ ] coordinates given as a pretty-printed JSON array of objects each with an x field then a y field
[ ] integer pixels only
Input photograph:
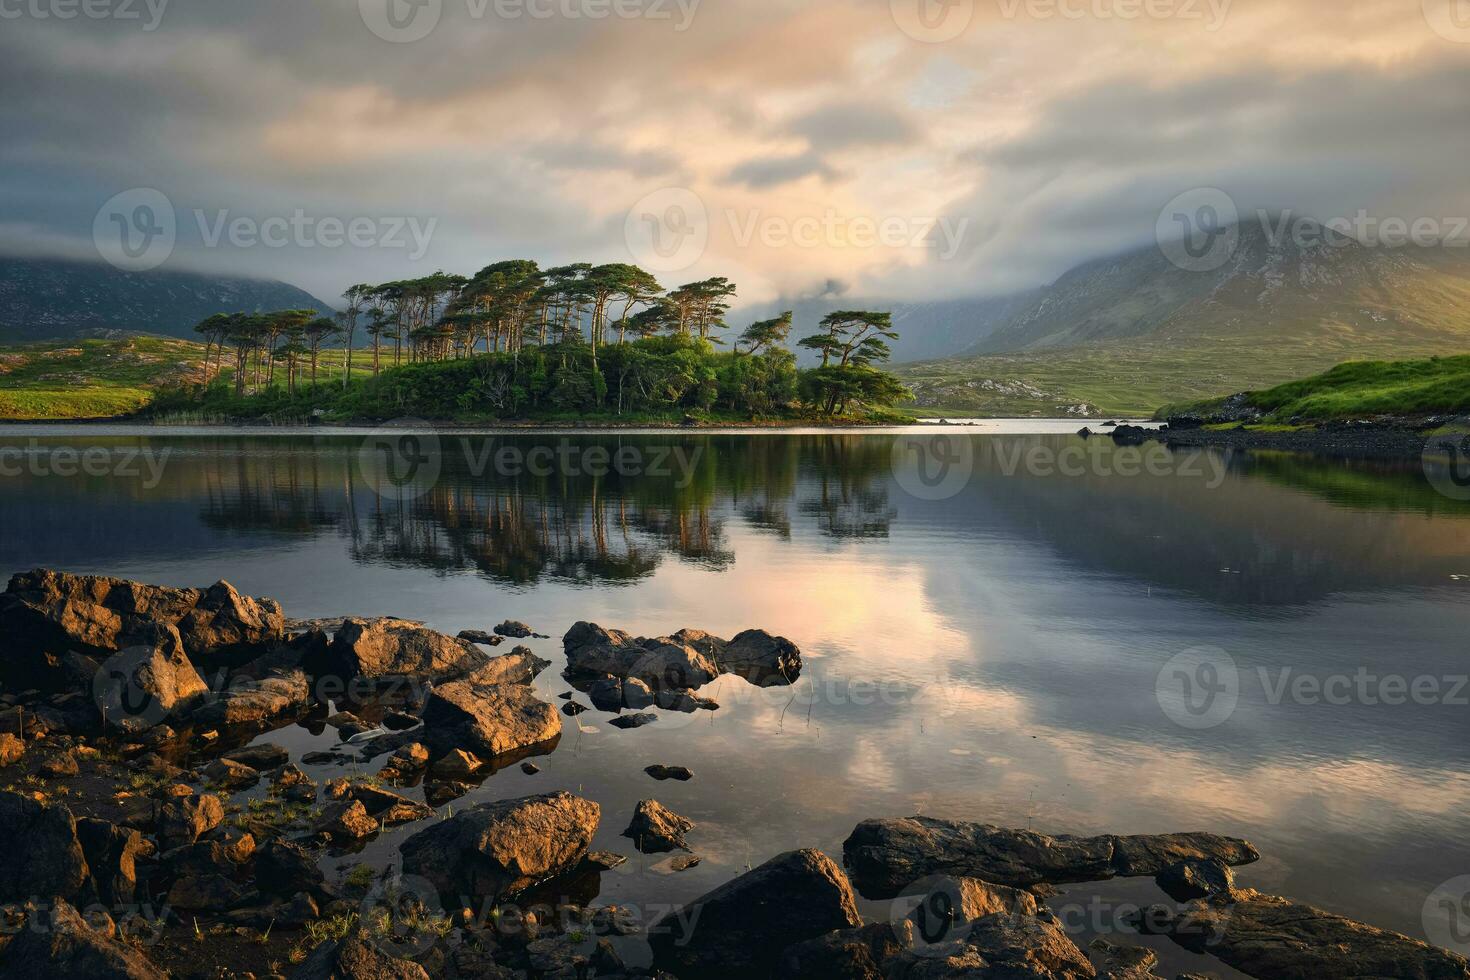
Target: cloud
[{"x": 763, "y": 172}]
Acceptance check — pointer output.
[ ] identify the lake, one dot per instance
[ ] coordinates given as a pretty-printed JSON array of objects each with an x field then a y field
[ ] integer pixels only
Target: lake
[{"x": 1006, "y": 624}]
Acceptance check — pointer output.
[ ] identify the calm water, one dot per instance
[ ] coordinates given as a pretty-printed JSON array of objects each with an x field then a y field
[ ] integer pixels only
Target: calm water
[{"x": 985, "y": 644}]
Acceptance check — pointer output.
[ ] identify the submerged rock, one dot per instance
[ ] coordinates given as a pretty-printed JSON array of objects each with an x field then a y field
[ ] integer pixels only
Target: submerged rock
[
  {"x": 888, "y": 855},
  {"x": 655, "y": 828},
  {"x": 742, "y": 928},
  {"x": 497, "y": 849}
]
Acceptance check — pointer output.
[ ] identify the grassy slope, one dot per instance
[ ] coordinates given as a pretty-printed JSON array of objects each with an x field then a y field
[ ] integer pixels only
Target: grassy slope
[
  {"x": 90, "y": 378},
  {"x": 1357, "y": 389}
]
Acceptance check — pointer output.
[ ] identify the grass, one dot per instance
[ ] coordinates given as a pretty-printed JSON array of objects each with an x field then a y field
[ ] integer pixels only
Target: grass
[
  {"x": 91, "y": 378},
  {"x": 1358, "y": 389}
]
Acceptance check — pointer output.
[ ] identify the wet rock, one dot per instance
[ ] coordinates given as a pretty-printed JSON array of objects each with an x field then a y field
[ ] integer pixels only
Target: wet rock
[
  {"x": 457, "y": 764},
  {"x": 406, "y": 763},
  {"x": 149, "y": 680},
  {"x": 887, "y": 855},
  {"x": 572, "y": 709},
  {"x": 669, "y": 772},
  {"x": 743, "y": 927},
  {"x": 51, "y": 862},
  {"x": 183, "y": 820},
  {"x": 633, "y": 721},
  {"x": 406, "y": 812},
  {"x": 761, "y": 658},
  {"x": 347, "y": 820},
  {"x": 684, "y": 862},
  {"x": 997, "y": 947},
  {"x": 514, "y": 629},
  {"x": 58, "y": 944},
  {"x": 382, "y": 649},
  {"x": 1184, "y": 881},
  {"x": 497, "y": 849},
  {"x": 1268, "y": 936},
  {"x": 1117, "y": 962},
  {"x": 356, "y": 958},
  {"x": 258, "y": 702},
  {"x": 262, "y": 757},
  {"x": 659, "y": 662},
  {"x": 324, "y": 758},
  {"x": 605, "y": 860},
  {"x": 231, "y": 774},
  {"x": 606, "y": 693},
  {"x": 655, "y": 828},
  {"x": 488, "y": 719},
  {"x": 848, "y": 954},
  {"x": 480, "y": 637},
  {"x": 684, "y": 701},
  {"x": 111, "y": 853},
  {"x": 530, "y": 768}
]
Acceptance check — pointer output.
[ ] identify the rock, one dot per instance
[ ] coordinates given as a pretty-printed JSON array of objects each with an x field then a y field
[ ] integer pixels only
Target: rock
[
  {"x": 684, "y": 701},
  {"x": 1186, "y": 880},
  {"x": 412, "y": 756},
  {"x": 457, "y": 764},
  {"x": 1116, "y": 962},
  {"x": 347, "y": 820},
  {"x": 200, "y": 859},
  {"x": 282, "y": 868},
  {"x": 383, "y": 649},
  {"x": 605, "y": 959},
  {"x": 406, "y": 812},
  {"x": 210, "y": 892},
  {"x": 497, "y": 849},
  {"x": 355, "y": 958},
  {"x": 488, "y": 719},
  {"x": 997, "y": 947},
  {"x": 51, "y": 861},
  {"x": 1084, "y": 432},
  {"x": 888, "y": 855},
  {"x": 1130, "y": 435},
  {"x": 1267, "y": 936},
  {"x": 743, "y": 927},
  {"x": 480, "y": 637},
  {"x": 948, "y": 906},
  {"x": 258, "y": 702},
  {"x": 184, "y": 820},
  {"x": 530, "y": 768},
  {"x": 605, "y": 860},
  {"x": 687, "y": 659},
  {"x": 571, "y": 709},
  {"x": 62, "y": 765},
  {"x": 636, "y": 694},
  {"x": 514, "y": 629},
  {"x": 520, "y": 666},
  {"x": 633, "y": 721},
  {"x": 58, "y": 944},
  {"x": 400, "y": 721},
  {"x": 230, "y": 774},
  {"x": 655, "y": 828},
  {"x": 669, "y": 772},
  {"x": 442, "y": 792},
  {"x": 262, "y": 757},
  {"x": 11, "y": 749},
  {"x": 375, "y": 799},
  {"x": 111, "y": 853},
  {"x": 761, "y": 658},
  {"x": 684, "y": 862},
  {"x": 847, "y": 954},
  {"x": 148, "y": 681},
  {"x": 606, "y": 694}
]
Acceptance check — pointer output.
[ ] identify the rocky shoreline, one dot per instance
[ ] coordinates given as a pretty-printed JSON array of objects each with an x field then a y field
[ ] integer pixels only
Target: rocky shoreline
[{"x": 165, "y": 835}]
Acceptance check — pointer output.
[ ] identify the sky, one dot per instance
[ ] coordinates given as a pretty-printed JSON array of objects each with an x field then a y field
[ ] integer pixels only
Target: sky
[{"x": 908, "y": 149}]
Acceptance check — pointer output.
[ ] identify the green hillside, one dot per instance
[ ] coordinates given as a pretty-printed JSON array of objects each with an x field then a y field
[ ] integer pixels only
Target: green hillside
[{"x": 92, "y": 378}]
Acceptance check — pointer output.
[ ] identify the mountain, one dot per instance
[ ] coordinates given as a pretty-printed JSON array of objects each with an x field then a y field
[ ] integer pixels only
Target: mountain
[
  {"x": 1128, "y": 333},
  {"x": 60, "y": 299}
]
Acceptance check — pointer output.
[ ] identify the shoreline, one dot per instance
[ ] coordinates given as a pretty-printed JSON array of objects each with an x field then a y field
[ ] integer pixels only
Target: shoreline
[{"x": 1395, "y": 439}]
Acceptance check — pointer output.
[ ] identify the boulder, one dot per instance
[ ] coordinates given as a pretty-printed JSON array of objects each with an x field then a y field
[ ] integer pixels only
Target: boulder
[
  {"x": 185, "y": 819},
  {"x": 58, "y": 944},
  {"x": 1118, "y": 962},
  {"x": 847, "y": 954},
  {"x": 888, "y": 855},
  {"x": 742, "y": 928},
  {"x": 258, "y": 703},
  {"x": 50, "y": 860},
  {"x": 347, "y": 820},
  {"x": 497, "y": 849},
  {"x": 204, "y": 892},
  {"x": 11, "y": 749},
  {"x": 634, "y": 721},
  {"x": 223, "y": 621},
  {"x": 480, "y": 637},
  {"x": 761, "y": 658},
  {"x": 383, "y": 649},
  {"x": 997, "y": 947},
  {"x": 487, "y": 719},
  {"x": 655, "y": 828},
  {"x": 111, "y": 853},
  {"x": 514, "y": 629},
  {"x": 661, "y": 773},
  {"x": 262, "y": 757},
  {"x": 1187, "y": 880},
  {"x": 356, "y": 958},
  {"x": 282, "y": 868},
  {"x": 687, "y": 659},
  {"x": 1268, "y": 936},
  {"x": 946, "y": 907},
  {"x": 148, "y": 681},
  {"x": 230, "y": 774}
]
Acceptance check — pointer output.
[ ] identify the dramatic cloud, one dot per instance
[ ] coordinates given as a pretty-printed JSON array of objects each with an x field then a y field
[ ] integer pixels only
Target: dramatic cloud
[{"x": 854, "y": 141}]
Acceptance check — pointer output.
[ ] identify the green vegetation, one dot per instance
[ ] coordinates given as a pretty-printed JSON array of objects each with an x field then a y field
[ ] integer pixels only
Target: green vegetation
[
  {"x": 517, "y": 342},
  {"x": 1357, "y": 389},
  {"x": 92, "y": 378}
]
